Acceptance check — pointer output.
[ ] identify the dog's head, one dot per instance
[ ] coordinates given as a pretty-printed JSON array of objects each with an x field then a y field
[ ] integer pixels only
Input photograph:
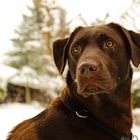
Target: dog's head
[{"x": 98, "y": 57}]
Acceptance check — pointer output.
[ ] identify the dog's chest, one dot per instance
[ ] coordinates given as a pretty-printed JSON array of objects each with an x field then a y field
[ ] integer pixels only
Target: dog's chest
[{"x": 68, "y": 126}]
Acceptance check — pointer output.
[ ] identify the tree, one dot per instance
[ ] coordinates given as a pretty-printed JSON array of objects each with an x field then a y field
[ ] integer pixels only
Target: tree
[
  {"x": 34, "y": 37},
  {"x": 33, "y": 43},
  {"x": 29, "y": 49}
]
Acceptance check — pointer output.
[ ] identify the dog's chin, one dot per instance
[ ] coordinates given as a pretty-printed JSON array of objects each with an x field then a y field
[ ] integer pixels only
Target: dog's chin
[{"x": 90, "y": 91}]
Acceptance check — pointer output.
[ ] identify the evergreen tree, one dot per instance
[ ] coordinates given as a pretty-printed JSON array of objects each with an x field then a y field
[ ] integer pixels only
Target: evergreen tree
[
  {"x": 29, "y": 49},
  {"x": 32, "y": 46},
  {"x": 34, "y": 37}
]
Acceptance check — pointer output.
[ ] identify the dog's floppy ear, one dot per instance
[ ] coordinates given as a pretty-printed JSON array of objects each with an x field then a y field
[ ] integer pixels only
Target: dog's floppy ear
[
  {"x": 59, "y": 53},
  {"x": 60, "y": 50},
  {"x": 134, "y": 42}
]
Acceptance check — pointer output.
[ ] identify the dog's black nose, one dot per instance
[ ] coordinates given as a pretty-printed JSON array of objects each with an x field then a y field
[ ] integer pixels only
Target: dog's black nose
[{"x": 88, "y": 68}]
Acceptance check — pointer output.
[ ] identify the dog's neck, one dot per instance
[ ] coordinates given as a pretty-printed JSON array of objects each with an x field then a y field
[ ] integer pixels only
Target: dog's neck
[{"x": 116, "y": 106}]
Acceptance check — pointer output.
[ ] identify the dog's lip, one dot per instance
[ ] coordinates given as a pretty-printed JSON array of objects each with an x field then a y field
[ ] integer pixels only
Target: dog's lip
[
  {"x": 91, "y": 90},
  {"x": 93, "y": 87}
]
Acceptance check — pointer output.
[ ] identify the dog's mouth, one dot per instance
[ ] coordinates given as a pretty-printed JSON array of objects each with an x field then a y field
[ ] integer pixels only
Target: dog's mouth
[
  {"x": 90, "y": 90},
  {"x": 95, "y": 87},
  {"x": 95, "y": 84}
]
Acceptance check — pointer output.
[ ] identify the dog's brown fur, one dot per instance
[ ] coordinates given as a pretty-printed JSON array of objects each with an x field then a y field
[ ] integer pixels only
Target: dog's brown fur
[{"x": 99, "y": 78}]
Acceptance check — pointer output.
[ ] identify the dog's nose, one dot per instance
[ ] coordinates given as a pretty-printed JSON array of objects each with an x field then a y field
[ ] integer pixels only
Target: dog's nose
[{"x": 88, "y": 68}]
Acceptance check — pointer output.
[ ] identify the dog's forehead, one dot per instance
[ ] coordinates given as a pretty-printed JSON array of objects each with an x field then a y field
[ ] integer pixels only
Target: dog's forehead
[{"x": 93, "y": 31}]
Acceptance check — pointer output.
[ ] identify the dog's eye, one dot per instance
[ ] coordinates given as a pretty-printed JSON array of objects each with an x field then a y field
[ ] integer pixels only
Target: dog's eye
[
  {"x": 109, "y": 44},
  {"x": 76, "y": 49}
]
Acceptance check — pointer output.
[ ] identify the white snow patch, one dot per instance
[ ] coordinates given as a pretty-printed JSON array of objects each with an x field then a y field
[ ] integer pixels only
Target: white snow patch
[
  {"x": 136, "y": 131},
  {"x": 136, "y": 75},
  {"x": 6, "y": 71},
  {"x": 136, "y": 80},
  {"x": 13, "y": 113}
]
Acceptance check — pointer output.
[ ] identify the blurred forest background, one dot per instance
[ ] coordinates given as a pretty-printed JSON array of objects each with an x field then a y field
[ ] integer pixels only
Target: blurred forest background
[{"x": 35, "y": 77}]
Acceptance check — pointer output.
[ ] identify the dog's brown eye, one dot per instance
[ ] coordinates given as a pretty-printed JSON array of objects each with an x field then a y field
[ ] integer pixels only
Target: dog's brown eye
[
  {"x": 76, "y": 49},
  {"x": 109, "y": 44}
]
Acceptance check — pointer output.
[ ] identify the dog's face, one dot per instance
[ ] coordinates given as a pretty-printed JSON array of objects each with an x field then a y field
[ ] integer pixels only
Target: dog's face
[
  {"x": 98, "y": 57},
  {"x": 98, "y": 60}
]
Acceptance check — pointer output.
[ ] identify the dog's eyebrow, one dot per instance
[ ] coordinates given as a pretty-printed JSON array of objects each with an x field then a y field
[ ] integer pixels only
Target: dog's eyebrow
[
  {"x": 81, "y": 40},
  {"x": 103, "y": 36},
  {"x": 86, "y": 38}
]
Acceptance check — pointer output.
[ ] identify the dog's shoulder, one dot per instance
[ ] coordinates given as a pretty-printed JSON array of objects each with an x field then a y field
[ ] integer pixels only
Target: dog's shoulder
[{"x": 43, "y": 121}]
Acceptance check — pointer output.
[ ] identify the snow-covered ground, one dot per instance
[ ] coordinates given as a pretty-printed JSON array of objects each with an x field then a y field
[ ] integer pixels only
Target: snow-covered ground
[{"x": 12, "y": 114}]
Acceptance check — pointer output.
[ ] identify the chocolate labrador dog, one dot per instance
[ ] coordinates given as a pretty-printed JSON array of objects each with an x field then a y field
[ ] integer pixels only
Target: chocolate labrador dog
[{"x": 96, "y": 102}]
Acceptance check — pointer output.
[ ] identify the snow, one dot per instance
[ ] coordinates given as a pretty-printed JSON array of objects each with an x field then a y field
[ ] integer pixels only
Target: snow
[
  {"x": 136, "y": 131},
  {"x": 13, "y": 113},
  {"x": 136, "y": 80},
  {"x": 28, "y": 76},
  {"x": 6, "y": 71},
  {"x": 136, "y": 75}
]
